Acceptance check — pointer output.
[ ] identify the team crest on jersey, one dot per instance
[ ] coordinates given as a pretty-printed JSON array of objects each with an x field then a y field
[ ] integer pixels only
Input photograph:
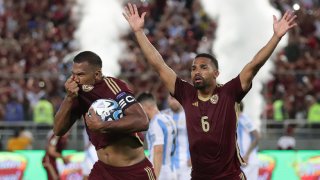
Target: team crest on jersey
[
  {"x": 214, "y": 99},
  {"x": 87, "y": 88}
]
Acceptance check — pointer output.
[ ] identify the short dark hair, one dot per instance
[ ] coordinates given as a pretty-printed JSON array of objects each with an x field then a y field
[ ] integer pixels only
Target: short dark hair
[
  {"x": 209, "y": 56},
  {"x": 88, "y": 56},
  {"x": 145, "y": 96}
]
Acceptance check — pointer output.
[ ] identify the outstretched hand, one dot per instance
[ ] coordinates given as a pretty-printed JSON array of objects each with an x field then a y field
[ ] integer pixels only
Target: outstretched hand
[
  {"x": 132, "y": 16},
  {"x": 282, "y": 26}
]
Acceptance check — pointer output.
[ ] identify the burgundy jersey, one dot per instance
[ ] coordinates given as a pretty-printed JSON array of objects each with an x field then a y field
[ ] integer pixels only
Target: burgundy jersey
[
  {"x": 211, "y": 129},
  {"x": 108, "y": 88}
]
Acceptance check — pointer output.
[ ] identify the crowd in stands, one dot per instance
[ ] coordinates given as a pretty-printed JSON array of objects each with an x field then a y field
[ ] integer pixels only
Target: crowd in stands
[
  {"x": 35, "y": 37},
  {"x": 294, "y": 91}
]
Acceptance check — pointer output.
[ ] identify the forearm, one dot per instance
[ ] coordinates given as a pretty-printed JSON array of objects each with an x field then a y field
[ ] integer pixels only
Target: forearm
[
  {"x": 128, "y": 124},
  {"x": 252, "y": 146},
  {"x": 263, "y": 55},
  {"x": 157, "y": 163},
  {"x": 62, "y": 120},
  {"x": 151, "y": 53}
]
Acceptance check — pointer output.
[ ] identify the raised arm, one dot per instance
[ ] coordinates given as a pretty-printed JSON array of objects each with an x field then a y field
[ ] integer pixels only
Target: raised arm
[
  {"x": 280, "y": 28},
  {"x": 167, "y": 75},
  {"x": 63, "y": 119}
]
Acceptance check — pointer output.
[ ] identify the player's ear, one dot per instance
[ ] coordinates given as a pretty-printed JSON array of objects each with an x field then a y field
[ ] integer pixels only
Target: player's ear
[
  {"x": 98, "y": 74},
  {"x": 216, "y": 73}
]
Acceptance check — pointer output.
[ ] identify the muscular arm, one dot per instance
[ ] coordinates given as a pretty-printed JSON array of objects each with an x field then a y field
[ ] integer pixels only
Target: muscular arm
[
  {"x": 135, "y": 120},
  {"x": 157, "y": 159},
  {"x": 280, "y": 28},
  {"x": 167, "y": 75},
  {"x": 251, "y": 69},
  {"x": 63, "y": 119}
]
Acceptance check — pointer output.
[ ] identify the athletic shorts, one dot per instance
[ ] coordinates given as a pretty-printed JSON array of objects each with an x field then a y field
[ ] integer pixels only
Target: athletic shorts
[{"x": 140, "y": 171}]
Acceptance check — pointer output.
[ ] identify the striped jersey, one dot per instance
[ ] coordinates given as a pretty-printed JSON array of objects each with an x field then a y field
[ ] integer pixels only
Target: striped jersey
[
  {"x": 181, "y": 154},
  {"x": 162, "y": 131},
  {"x": 245, "y": 127}
]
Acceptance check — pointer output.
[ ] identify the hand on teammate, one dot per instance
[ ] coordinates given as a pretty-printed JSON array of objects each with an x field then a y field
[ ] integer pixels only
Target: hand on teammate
[
  {"x": 71, "y": 87},
  {"x": 134, "y": 19},
  {"x": 93, "y": 121}
]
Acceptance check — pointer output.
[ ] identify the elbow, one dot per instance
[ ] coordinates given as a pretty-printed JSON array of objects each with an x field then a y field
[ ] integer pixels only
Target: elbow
[{"x": 144, "y": 123}]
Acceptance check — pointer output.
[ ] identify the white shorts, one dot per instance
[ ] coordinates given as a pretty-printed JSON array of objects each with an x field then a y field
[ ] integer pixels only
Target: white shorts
[
  {"x": 166, "y": 173},
  {"x": 184, "y": 173},
  {"x": 90, "y": 157},
  {"x": 251, "y": 171}
]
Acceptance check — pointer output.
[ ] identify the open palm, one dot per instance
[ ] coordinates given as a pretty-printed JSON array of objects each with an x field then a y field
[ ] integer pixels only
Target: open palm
[
  {"x": 281, "y": 27},
  {"x": 132, "y": 16}
]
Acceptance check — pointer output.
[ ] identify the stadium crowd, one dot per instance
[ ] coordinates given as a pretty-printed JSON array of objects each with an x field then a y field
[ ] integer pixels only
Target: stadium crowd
[
  {"x": 294, "y": 91},
  {"x": 34, "y": 44}
]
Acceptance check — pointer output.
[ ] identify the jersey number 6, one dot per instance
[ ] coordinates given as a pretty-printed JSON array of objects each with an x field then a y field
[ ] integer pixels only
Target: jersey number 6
[{"x": 205, "y": 124}]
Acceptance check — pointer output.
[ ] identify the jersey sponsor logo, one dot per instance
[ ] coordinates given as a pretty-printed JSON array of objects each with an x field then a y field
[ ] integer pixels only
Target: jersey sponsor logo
[
  {"x": 87, "y": 88},
  {"x": 214, "y": 99}
]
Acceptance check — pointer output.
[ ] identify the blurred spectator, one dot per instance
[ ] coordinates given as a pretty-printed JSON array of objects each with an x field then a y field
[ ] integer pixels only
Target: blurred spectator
[
  {"x": 54, "y": 149},
  {"x": 13, "y": 110},
  {"x": 43, "y": 112},
  {"x": 287, "y": 141},
  {"x": 314, "y": 112},
  {"x": 21, "y": 140}
]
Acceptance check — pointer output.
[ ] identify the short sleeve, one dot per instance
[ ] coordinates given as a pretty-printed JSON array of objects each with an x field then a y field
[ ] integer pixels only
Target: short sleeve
[
  {"x": 234, "y": 88},
  {"x": 180, "y": 91},
  {"x": 124, "y": 95}
]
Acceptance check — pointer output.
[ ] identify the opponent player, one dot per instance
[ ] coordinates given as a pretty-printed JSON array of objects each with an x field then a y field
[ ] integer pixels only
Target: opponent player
[
  {"x": 161, "y": 137},
  {"x": 118, "y": 143},
  {"x": 209, "y": 107},
  {"x": 248, "y": 138},
  {"x": 181, "y": 157}
]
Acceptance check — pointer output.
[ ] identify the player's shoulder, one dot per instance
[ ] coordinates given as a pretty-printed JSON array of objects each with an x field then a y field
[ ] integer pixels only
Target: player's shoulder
[{"x": 116, "y": 85}]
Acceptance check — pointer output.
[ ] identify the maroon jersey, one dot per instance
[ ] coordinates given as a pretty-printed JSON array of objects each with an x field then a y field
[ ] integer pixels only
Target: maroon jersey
[
  {"x": 211, "y": 129},
  {"x": 108, "y": 88}
]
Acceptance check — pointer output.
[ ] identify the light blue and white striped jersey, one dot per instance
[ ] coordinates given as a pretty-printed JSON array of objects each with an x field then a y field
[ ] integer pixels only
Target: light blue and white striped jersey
[
  {"x": 162, "y": 131},
  {"x": 245, "y": 127},
  {"x": 182, "y": 154}
]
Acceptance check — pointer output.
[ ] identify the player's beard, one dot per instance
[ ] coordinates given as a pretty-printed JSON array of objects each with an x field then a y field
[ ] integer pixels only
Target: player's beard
[{"x": 200, "y": 85}]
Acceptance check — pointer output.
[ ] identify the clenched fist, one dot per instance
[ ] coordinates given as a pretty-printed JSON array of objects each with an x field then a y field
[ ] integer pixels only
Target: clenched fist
[{"x": 71, "y": 87}]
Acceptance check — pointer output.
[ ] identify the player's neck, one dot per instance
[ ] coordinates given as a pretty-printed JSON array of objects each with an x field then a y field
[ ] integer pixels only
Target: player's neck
[
  {"x": 206, "y": 93},
  {"x": 153, "y": 113}
]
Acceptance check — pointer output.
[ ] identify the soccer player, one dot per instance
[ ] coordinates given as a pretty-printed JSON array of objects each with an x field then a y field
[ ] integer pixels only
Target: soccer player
[
  {"x": 209, "y": 107},
  {"x": 248, "y": 138},
  {"x": 160, "y": 137},
  {"x": 53, "y": 151},
  {"x": 118, "y": 143},
  {"x": 181, "y": 158}
]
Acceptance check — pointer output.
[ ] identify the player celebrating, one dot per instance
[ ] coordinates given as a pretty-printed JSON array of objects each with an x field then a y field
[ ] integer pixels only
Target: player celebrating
[
  {"x": 119, "y": 146},
  {"x": 209, "y": 107}
]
